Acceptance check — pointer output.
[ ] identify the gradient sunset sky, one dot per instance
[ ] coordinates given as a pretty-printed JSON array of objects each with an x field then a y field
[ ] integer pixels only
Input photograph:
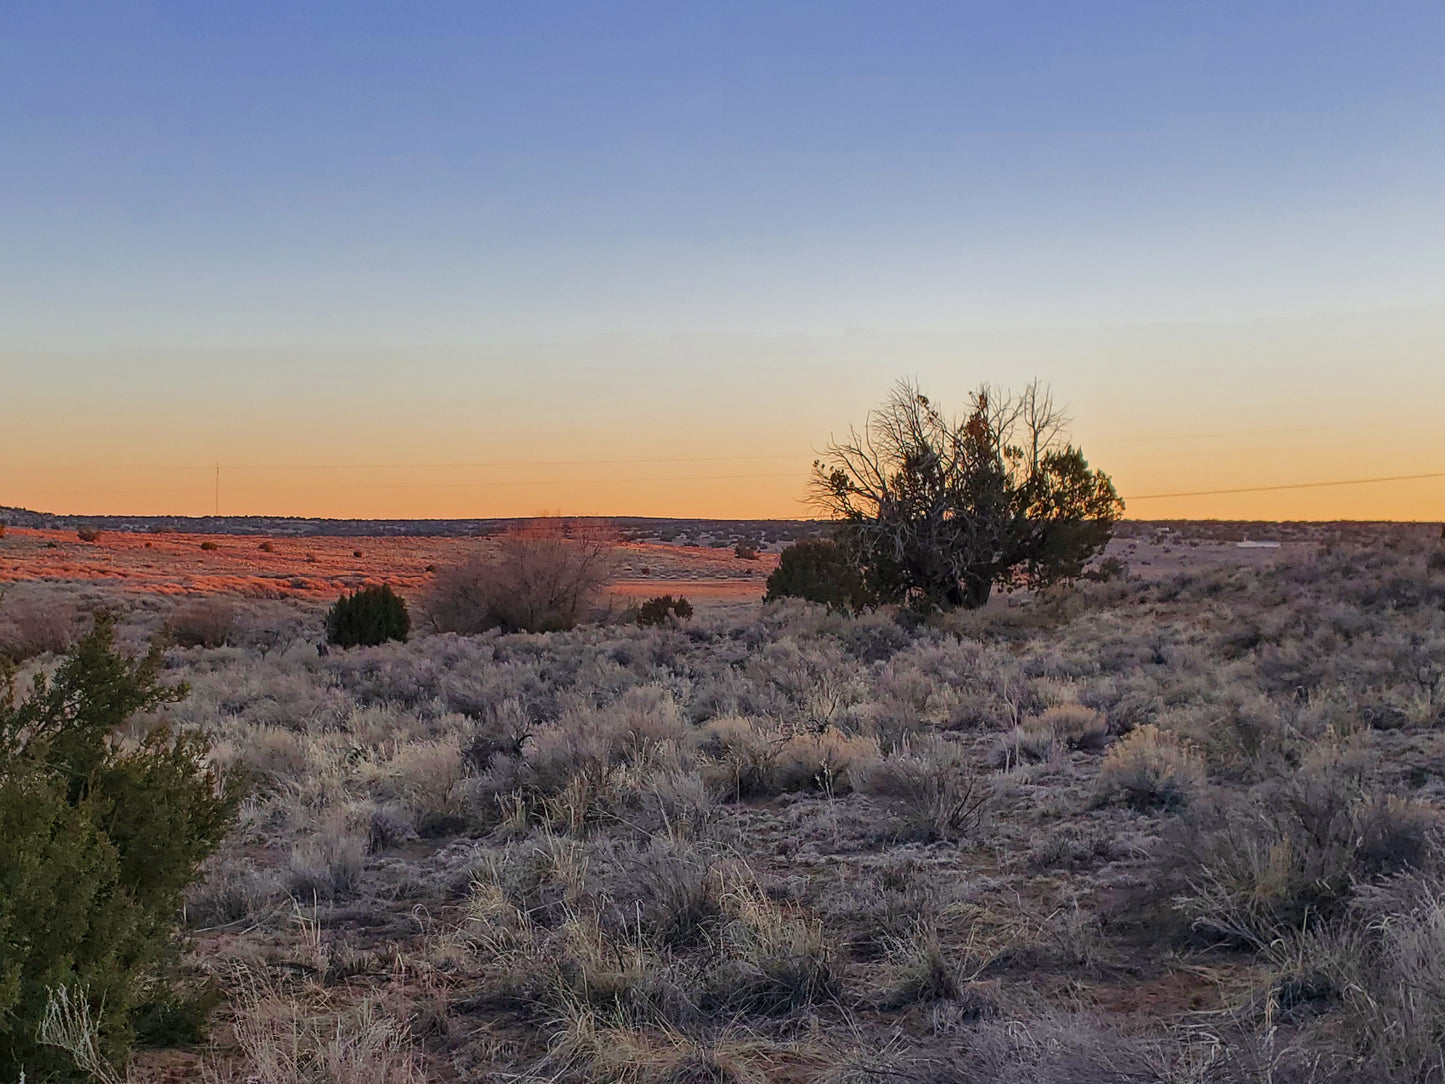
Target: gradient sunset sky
[{"x": 480, "y": 259}]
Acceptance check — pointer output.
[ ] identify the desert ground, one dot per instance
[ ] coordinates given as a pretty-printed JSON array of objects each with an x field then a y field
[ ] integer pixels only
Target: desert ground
[
  {"x": 1181, "y": 825},
  {"x": 321, "y": 567}
]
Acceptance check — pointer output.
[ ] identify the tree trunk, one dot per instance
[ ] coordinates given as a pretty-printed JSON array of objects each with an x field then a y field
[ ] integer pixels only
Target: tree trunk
[{"x": 976, "y": 591}]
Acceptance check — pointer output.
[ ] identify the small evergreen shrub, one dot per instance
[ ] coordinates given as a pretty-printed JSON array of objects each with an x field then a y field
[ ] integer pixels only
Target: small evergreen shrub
[
  {"x": 657, "y": 611},
  {"x": 820, "y": 570},
  {"x": 209, "y": 545},
  {"x": 368, "y": 617},
  {"x": 87, "y": 534},
  {"x": 98, "y": 842},
  {"x": 1436, "y": 563}
]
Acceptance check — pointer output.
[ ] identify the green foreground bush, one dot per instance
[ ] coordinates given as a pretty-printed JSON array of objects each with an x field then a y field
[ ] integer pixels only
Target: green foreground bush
[
  {"x": 98, "y": 841},
  {"x": 368, "y": 617}
]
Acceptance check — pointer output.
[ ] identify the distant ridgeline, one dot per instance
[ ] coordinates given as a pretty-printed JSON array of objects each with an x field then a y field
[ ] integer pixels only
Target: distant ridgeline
[
  {"x": 697, "y": 532},
  {"x": 630, "y": 528}
]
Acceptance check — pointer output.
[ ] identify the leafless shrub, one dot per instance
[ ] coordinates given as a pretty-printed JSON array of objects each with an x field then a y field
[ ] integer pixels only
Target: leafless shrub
[
  {"x": 202, "y": 622},
  {"x": 68, "y": 1025},
  {"x": 543, "y": 578},
  {"x": 34, "y": 625},
  {"x": 1150, "y": 768}
]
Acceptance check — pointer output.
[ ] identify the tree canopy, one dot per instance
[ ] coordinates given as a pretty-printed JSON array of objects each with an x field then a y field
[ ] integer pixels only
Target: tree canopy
[{"x": 937, "y": 510}]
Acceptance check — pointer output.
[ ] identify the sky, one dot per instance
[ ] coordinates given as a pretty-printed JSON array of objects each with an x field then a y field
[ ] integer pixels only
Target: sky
[{"x": 481, "y": 259}]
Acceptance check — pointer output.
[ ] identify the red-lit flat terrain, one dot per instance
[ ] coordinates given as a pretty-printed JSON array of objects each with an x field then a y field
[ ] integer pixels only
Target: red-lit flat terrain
[{"x": 322, "y": 566}]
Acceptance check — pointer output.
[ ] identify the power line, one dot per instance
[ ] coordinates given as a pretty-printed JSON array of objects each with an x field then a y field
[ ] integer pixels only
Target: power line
[{"x": 1292, "y": 485}]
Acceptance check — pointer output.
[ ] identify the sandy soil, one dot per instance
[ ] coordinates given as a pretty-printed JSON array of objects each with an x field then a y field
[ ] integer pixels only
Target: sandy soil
[{"x": 322, "y": 567}]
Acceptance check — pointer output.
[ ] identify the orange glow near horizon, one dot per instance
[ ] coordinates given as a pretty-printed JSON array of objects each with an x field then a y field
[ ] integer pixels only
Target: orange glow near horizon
[
  {"x": 750, "y": 486},
  {"x": 725, "y": 426}
]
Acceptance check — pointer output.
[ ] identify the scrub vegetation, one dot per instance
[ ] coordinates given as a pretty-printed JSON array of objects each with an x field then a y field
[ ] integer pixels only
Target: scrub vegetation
[{"x": 1179, "y": 825}]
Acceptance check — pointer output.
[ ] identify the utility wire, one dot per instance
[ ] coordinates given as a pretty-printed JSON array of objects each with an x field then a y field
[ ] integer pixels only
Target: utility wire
[{"x": 1292, "y": 485}]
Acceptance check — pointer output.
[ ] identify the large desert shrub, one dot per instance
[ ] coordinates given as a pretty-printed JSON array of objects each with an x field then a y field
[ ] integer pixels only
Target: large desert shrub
[
  {"x": 820, "y": 570},
  {"x": 203, "y": 622},
  {"x": 542, "y": 579},
  {"x": 368, "y": 617},
  {"x": 937, "y": 510},
  {"x": 99, "y": 838}
]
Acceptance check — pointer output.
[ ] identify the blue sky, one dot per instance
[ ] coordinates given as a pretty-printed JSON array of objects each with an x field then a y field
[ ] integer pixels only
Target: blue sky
[{"x": 204, "y": 205}]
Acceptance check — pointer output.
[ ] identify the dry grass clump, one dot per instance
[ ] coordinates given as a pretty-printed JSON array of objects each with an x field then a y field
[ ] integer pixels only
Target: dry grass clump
[
  {"x": 1057, "y": 729},
  {"x": 1289, "y": 855},
  {"x": 748, "y": 758},
  {"x": 827, "y": 761},
  {"x": 774, "y": 960},
  {"x": 282, "y": 1042},
  {"x": 937, "y": 785},
  {"x": 594, "y": 766},
  {"x": 327, "y": 864},
  {"x": 1151, "y": 768},
  {"x": 424, "y": 780},
  {"x": 661, "y": 937}
]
